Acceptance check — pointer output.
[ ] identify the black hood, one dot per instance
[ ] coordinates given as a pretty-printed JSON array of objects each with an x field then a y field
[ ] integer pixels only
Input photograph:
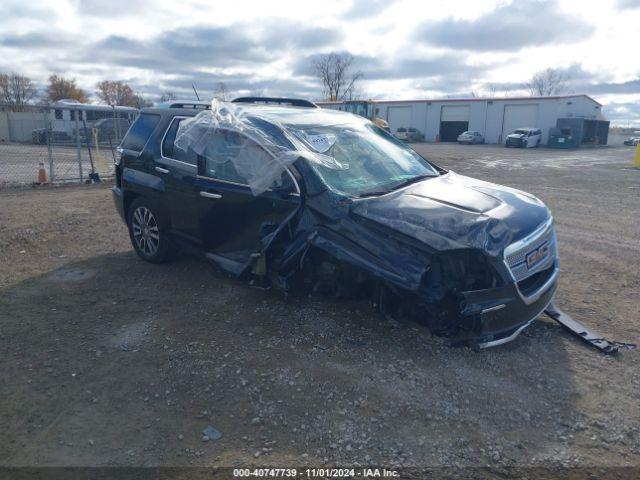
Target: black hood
[{"x": 452, "y": 211}]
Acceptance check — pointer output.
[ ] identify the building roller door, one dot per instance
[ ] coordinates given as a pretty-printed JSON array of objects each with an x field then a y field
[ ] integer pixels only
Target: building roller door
[
  {"x": 399, "y": 117},
  {"x": 454, "y": 119},
  {"x": 519, "y": 116}
]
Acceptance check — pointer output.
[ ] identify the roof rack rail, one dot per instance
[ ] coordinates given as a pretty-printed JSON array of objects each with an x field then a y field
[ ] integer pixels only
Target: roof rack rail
[
  {"x": 294, "y": 102},
  {"x": 194, "y": 105}
]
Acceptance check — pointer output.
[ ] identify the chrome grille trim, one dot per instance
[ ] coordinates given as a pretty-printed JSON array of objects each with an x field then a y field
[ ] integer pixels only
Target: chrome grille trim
[{"x": 515, "y": 255}]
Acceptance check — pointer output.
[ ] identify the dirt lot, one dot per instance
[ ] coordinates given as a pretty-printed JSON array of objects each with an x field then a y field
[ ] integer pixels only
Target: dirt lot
[{"x": 107, "y": 360}]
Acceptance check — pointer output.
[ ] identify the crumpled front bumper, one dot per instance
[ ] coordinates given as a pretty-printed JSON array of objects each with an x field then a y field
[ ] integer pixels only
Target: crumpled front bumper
[{"x": 498, "y": 316}]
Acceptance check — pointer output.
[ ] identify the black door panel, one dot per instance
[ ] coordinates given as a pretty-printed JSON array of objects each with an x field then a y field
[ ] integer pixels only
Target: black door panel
[{"x": 232, "y": 221}]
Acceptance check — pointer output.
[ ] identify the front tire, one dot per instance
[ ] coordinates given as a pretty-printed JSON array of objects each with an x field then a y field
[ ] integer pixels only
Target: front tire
[{"x": 148, "y": 227}]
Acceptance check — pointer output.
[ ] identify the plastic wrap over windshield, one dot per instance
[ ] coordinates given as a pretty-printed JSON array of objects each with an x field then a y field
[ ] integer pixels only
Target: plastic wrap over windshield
[{"x": 238, "y": 145}]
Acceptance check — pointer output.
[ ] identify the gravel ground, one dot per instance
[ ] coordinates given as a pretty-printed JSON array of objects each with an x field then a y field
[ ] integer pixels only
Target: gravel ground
[{"x": 108, "y": 360}]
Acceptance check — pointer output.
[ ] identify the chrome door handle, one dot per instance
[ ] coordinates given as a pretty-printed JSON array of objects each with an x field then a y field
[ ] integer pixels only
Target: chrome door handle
[
  {"x": 210, "y": 195},
  {"x": 162, "y": 170}
]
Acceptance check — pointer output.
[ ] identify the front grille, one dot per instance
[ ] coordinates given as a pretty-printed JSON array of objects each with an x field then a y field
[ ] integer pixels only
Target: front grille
[{"x": 517, "y": 260}]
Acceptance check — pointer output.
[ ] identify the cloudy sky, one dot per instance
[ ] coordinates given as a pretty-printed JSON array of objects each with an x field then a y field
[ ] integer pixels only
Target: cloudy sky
[{"x": 406, "y": 48}]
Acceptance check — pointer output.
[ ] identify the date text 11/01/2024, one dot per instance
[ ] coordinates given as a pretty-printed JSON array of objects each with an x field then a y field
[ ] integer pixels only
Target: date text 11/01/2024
[{"x": 315, "y": 473}]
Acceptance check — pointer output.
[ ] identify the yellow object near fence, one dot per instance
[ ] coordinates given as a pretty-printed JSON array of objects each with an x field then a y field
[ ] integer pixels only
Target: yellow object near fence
[
  {"x": 103, "y": 165},
  {"x": 636, "y": 159}
]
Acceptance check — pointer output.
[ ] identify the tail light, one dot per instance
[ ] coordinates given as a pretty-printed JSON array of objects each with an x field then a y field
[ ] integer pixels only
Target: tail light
[{"x": 118, "y": 156}]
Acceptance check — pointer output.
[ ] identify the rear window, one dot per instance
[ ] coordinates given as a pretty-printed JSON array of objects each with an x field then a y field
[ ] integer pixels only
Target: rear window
[
  {"x": 402, "y": 129},
  {"x": 140, "y": 132}
]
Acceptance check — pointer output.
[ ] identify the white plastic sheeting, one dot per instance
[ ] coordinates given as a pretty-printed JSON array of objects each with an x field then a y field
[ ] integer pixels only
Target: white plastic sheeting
[{"x": 205, "y": 133}]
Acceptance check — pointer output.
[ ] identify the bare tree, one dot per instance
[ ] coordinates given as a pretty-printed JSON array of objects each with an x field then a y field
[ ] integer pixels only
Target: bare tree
[
  {"x": 60, "y": 88},
  {"x": 221, "y": 92},
  {"x": 139, "y": 101},
  {"x": 547, "y": 82},
  {"x": 16, "y": 90},
  {"x": 167, "y": 96},
  {"x": 334, "y": 71},
  {"x": 116, "y": 93}
]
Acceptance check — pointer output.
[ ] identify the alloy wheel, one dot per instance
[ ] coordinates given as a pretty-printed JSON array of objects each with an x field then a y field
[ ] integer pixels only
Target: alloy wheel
[{"x": 145, "y": 231}]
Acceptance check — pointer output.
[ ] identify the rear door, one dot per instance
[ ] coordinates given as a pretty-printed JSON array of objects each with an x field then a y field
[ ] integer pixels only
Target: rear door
[
  {"x": 179, "y": 170},
  {"x": 234, "y": 223},
  {"x": 135, "y": 172}
]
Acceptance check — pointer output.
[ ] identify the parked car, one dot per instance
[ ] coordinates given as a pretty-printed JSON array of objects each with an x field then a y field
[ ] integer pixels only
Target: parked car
[
  {"x": 632, "y": 141},
  {"x": 402, "y": 133},
  {"x": 316, "y": 200},
  {"x": 524, "y": 137},
  {"x": 409, "y": 134},
  {"x": 470, "y": 137},
  {"x": 40, "y": 136},
  {"x": 414, "y": 135}
]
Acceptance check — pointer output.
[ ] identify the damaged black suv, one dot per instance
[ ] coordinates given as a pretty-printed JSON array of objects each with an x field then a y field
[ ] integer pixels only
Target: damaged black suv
[{"x": 296, "y": 197}]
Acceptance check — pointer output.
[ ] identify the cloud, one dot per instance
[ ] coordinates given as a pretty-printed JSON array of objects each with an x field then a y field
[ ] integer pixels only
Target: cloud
[
  {"x": 623, "y": 113},
  {"x": 627, "y": 4},
  {"x": 113, "y": 8},
  {"x": 206, "y": 84},
  {"x": 623, "y": 88},
  {"x": 507, "y": 28},
  {"x": 362, "y": 9},
  {"x": 35, "y": 40},
  {"x": 178, "y": 49},
  {"x": 375, "y": 68},
  {"x": 200, "y": 47}
]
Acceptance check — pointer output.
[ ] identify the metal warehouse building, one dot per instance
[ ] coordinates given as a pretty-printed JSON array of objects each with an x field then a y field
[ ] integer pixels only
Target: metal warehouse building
[{"x": 444, "y": 119}]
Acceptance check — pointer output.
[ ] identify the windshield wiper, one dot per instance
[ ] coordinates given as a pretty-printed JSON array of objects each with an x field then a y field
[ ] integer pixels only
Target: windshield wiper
[
  {"x": 411, "y": 180},
  {"x": 375, "y": 193},
  {"x": 404, "y": 183}
]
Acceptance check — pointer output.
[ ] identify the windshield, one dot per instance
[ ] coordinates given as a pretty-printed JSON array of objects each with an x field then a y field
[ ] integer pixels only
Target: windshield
[
  {"x": 377, "y": 162},
  {"x": 521, "y": 131}
]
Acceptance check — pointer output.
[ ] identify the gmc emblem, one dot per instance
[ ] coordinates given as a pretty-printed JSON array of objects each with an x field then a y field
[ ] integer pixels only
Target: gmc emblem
[{"x": 538, "y": 255}]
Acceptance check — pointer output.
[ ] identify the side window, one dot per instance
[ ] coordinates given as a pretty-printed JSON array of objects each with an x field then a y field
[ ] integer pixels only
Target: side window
[
  {"x": 230, "y": 154},
  {"x": 169, "y": 150},
  {"x": 140, "y": 132}
]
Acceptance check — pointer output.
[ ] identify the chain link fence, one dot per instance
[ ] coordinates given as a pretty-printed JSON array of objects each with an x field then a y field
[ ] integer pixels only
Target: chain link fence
[{"x": 67, "y": 143}]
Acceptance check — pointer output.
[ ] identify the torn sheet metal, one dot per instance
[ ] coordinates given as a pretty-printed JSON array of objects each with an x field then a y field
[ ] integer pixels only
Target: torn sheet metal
[{"x": 594, "y": 339}]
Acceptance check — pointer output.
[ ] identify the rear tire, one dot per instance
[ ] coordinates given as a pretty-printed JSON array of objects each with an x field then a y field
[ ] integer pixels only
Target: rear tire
[{"x": 148, "y": 231}]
